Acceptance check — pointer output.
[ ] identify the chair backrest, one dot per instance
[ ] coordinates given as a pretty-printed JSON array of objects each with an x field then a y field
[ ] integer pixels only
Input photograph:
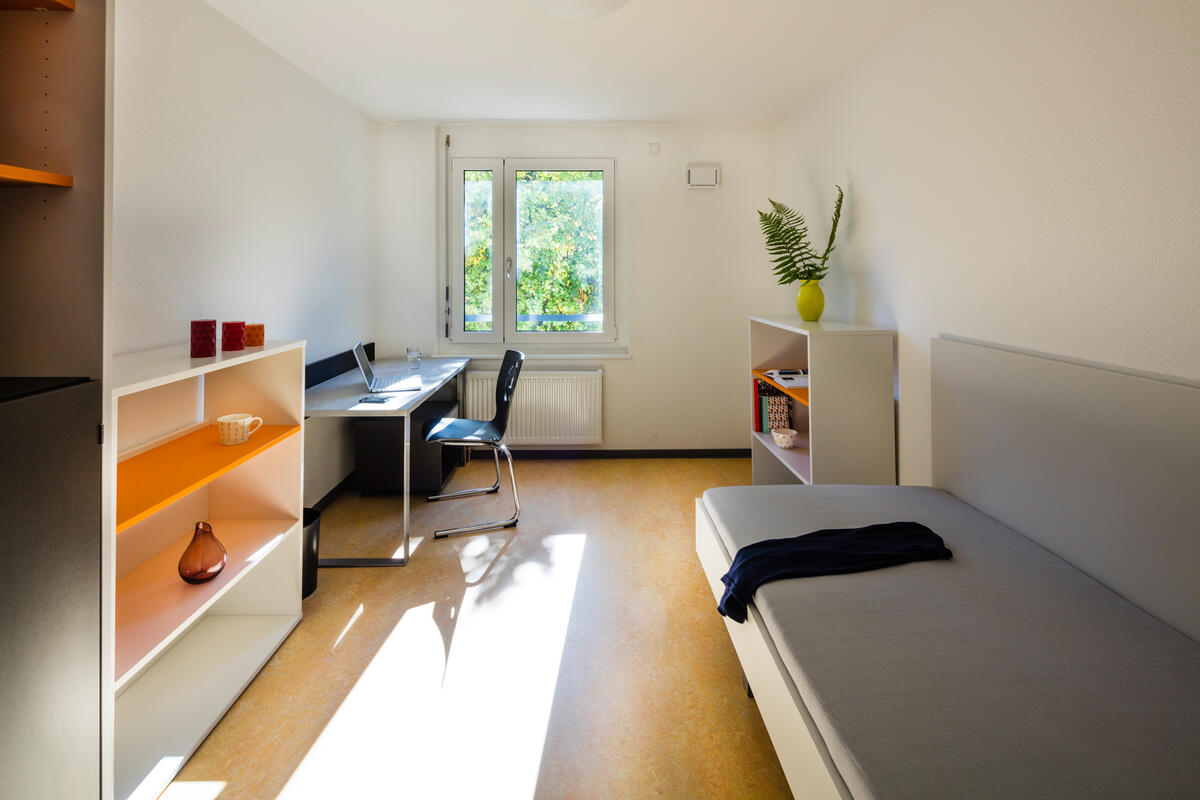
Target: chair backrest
[{"x": 506, "y": 384}]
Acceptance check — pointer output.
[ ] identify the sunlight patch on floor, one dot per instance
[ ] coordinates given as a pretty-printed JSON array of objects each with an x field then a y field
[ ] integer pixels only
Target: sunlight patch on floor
[
  {"x": 478, "y": 555},
  {"x": 353, "y": 619},
  {"x": 413, "y": 543},
  {"x": 193, "y": 790},
  {"x": 467, "y": 718},
  {"x": 158, "y": 777}
]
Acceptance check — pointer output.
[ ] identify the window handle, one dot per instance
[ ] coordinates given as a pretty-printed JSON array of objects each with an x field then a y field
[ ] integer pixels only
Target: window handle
[{"x": 508, "y": 267}]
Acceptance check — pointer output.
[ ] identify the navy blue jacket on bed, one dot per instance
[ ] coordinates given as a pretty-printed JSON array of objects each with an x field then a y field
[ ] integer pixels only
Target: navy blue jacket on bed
[{"x": 836, "y": 551}]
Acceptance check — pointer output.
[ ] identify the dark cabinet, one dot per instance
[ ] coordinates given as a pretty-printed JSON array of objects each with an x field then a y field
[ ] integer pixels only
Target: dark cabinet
[
  {"x": 50, "y": 539},
  {"x": 54, "y": 103},
  {"x": 379, "y": 452}
]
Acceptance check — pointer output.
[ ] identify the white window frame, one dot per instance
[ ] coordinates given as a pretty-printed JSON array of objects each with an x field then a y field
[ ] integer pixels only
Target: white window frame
[
  {"x": 458, "y": 167},
  {"x": 504, "y": 271}
]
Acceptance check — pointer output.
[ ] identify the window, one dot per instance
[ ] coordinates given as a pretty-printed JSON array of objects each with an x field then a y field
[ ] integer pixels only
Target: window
[{"x": 531, "y": 250}]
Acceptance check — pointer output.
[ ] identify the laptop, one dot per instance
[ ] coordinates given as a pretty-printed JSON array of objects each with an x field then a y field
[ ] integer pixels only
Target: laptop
[{"x": 409, "y": 383}]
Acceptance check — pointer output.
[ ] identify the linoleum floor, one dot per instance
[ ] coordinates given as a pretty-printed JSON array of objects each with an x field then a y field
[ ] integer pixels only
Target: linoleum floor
[{"x": 578, "y": 655}]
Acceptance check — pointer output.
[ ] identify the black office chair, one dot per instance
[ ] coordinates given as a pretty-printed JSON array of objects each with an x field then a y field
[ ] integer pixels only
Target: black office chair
[{"x": 476, "y": 433}]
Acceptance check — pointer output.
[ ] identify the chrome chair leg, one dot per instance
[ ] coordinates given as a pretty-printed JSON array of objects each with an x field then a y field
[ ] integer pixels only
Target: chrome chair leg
[
  {"x": 487, "y": 526},
  {"x": 495, "y": 487}
]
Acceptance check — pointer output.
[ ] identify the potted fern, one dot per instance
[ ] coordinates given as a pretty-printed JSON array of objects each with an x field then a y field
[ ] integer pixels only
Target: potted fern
[{"x": 794, "y": 257}]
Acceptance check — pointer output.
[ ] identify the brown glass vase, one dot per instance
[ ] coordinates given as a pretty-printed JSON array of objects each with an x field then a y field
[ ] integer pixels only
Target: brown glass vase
[{"x": 204, "y": 557}]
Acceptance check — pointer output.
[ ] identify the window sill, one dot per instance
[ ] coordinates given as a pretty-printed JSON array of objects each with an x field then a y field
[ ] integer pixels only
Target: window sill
[{"x": 610, "y": 355}]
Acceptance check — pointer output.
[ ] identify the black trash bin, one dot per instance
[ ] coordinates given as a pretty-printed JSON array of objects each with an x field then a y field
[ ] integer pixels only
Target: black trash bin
[{"x": 312, "y": 537}]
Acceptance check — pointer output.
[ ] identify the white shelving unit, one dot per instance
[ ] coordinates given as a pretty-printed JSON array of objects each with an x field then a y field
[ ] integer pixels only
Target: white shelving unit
[
  {"x": 846, "y": 418},
  {"x": 183, "y": 653}
]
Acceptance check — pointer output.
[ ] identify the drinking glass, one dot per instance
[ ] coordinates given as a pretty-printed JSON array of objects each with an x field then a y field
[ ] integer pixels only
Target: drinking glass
[{"x": 414, "y": 359}]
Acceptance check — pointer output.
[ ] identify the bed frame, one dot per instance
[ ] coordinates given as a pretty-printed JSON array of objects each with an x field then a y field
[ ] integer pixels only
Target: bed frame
[
  {"x": 1099, "y": 465},
  {"x": 811, "y": 773}
]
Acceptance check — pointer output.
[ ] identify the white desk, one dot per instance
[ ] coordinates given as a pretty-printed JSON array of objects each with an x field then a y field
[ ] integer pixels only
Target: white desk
[{"x": 342, "y": 396}]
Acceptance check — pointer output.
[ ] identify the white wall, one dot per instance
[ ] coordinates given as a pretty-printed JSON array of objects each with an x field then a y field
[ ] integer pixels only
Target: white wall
[
  {"x": 241, "y": 186},
  {"x": 1026, "y": 173},
  {"x": 687, "y": 271},
  {"x": 407, "y": 199},
  {"x": 697, "y": 274},
  {"x": 242, "y": 190}
]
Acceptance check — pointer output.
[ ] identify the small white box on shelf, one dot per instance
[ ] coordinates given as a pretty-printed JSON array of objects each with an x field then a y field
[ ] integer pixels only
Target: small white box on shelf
[{"x": 784, "y": 437}]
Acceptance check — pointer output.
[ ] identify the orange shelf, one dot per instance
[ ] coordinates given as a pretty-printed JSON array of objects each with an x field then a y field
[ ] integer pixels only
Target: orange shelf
[
  {"x": 151, "y": 481},
  {"x": 20, "y": 176},
  {"x": 799, "y": 395},
  {"x": 37, "y": 5}
]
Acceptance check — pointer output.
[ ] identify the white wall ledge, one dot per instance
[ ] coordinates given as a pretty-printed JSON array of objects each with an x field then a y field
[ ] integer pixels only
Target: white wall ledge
[{"x": 613, "y": 356}]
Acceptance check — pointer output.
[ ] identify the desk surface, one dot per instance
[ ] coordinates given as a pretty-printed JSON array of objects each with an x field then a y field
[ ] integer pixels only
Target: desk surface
[{"x": 341, "y": 396}]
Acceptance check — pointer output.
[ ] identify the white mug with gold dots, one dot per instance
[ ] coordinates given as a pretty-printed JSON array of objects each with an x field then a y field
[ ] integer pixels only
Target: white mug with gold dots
[{"x": 236, "y": 428}]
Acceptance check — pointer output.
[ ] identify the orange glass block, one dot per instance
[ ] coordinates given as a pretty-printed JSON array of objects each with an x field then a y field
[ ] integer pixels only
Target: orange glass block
[{"x": 255, "y": 334}]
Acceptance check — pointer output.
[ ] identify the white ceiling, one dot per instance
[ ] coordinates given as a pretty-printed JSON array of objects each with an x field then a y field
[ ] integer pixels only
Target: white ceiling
[{"x": 511, "y": 60}]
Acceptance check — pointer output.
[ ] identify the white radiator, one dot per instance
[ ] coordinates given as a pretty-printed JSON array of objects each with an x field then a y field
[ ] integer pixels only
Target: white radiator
[{"x": 562, "y": 407}]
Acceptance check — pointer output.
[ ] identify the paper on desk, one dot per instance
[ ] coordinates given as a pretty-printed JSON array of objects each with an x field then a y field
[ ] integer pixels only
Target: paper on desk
[{"x": 408, "y": 383}]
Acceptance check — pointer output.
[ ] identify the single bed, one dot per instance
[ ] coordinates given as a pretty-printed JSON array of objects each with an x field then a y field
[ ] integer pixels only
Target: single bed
[{"x": 1008, "y": 671}]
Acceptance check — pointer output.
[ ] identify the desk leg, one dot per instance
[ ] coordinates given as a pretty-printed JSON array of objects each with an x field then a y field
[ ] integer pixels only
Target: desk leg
[
  {"x": 385, "y": 562},
  {"x": 407, "y": 477}
]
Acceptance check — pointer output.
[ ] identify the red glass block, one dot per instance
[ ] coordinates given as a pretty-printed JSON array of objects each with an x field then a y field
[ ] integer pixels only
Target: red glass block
[
  {"x": 233, "y": 335},
  {"x": 255, "y": 334},
  {"x": 204, "y": 338}
]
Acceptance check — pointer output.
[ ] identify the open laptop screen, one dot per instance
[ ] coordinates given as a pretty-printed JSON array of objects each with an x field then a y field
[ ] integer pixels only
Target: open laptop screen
[{"x": 364, "y": 365}]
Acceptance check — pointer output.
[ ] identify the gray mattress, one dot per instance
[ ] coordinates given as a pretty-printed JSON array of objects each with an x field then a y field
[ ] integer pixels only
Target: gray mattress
[{"x": 1004, "y": 673}]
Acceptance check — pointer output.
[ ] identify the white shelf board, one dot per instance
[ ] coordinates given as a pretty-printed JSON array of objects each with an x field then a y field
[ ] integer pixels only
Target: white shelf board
[
  {"x": 155, "y": 606},
  {"x": 167, "y": 712},
  {"x": 796, "y": 459},
  {"x": 145, "y": 369},
  {"x": 793, "y": 323}
]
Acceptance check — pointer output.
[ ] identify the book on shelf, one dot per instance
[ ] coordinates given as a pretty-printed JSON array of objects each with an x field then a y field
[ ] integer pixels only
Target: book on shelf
[
  {"x": 757, "y": 405},
  {"x": 779, "y": 412},
  {"x": 774, "y": 408}
]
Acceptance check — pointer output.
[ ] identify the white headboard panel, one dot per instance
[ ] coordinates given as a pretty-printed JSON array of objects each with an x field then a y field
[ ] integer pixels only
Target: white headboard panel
[{"x": 1099, "y": 466}]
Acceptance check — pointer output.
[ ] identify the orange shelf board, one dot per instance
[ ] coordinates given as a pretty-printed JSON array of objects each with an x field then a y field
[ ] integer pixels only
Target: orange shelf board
[
  {"x": 151, "y": 481},
  {"x": 37, "y": 5},
  {"x": 20, "y": 176},
  {"x": 799, "y": 395}
]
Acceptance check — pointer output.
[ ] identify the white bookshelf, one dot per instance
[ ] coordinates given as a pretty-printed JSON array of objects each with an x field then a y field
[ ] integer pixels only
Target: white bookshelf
[
  {"x": 158, "y": 726},
  {"x": 795, "y": 459},
  {"x": 183, "y": 653},
  {"x": 846, "y": 417}
]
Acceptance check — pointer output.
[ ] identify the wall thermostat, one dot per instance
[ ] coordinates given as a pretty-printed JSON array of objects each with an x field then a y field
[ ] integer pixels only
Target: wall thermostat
[{"x": 703, "y": 176}]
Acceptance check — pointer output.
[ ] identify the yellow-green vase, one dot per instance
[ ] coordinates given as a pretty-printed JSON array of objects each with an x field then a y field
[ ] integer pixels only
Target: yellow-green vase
[{"x": 810, "y": 301}]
